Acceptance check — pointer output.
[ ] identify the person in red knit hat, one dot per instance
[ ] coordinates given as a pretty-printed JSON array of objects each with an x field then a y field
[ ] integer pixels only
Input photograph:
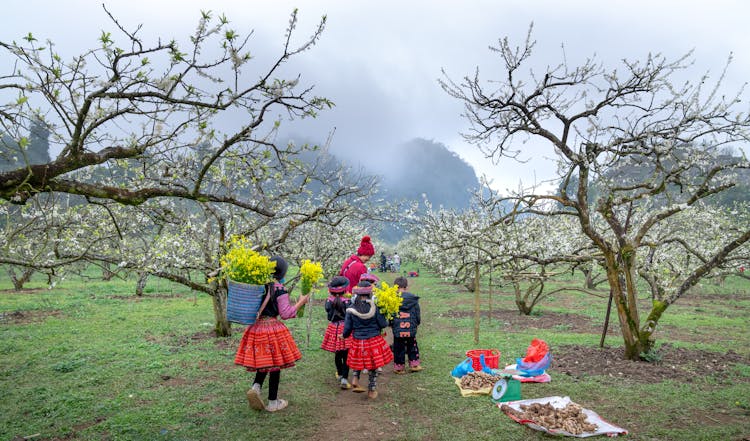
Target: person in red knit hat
[{"x": 354, "y": 266}]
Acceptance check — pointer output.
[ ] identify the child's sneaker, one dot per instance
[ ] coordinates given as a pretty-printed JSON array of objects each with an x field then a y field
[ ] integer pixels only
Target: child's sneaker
[
  {"x": 372, "y": 394},
  {"x": 399, "y": 371},
  {"x": 345, "y": 384},
  {"x": 254, "y": 399},
  {"x": 416, "y": 368},
  {"x": 276, "y": 405}
]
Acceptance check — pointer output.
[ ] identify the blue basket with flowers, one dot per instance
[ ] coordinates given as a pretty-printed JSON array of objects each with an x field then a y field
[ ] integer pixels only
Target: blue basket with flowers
[{"x": 247, "y": 273}]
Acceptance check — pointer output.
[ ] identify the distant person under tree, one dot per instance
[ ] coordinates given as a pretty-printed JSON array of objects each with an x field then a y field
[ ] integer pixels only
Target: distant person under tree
[{"x": 354, "y": 266}]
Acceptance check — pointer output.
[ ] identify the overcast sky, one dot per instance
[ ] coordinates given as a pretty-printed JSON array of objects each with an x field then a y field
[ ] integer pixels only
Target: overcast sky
[{"x": 379, "y": 61}]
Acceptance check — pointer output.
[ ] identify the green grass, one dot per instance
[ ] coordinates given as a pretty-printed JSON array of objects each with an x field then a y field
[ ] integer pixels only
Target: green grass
[{"x": 90, "y": 361}]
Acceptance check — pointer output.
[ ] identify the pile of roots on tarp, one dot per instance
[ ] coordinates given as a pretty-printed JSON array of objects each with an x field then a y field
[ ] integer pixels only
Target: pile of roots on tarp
[{"x": 479, "y": 374}]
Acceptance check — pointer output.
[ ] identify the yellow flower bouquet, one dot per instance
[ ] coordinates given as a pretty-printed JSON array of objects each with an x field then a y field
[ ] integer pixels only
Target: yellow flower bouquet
[
  {"x": 247, "y": 272},
  {"x": 243, "y": 264},
  {"x": 312, "y": 273},
  {"x": 388, "y": 300}
]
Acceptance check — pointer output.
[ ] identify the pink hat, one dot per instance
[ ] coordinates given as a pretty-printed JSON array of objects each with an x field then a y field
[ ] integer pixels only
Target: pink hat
[
  {"x": 369, "y": 277},
  {"x": 338, "y": 285},
  {"x": 363, "y": 288}
]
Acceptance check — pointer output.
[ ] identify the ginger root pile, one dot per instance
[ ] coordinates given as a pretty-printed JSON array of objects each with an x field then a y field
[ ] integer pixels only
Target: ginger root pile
[
  {"x": 479, "y": 380},
  {"x": 570, "y": 418}
]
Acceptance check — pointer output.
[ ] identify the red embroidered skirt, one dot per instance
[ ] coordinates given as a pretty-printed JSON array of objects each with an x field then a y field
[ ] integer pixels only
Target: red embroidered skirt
[
  {"x": 267, "y": 345},
  {"x": 369, "y": 354},
  {"x": 331, "y": 341}
]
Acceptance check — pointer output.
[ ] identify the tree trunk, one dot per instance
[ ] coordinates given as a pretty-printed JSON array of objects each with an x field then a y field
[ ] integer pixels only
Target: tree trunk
[
  {"x": 622, "y": 283},
  {"x": 106, "y": 273},
  {"x": 588, "y": 274},
  {"x": 141, "y": 284},
  {"x": 476, "y": 303},
  {"x": 222, "y": 327},
  {"x": 523, "y": 308},
  {"x": 19, "y": 281},
  {"x": 657, "y": 309}
]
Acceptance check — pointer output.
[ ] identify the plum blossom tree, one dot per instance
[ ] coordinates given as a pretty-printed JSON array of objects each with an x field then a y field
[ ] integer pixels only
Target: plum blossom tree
[
  {"x": 136, "y": 108},
  {"x": 538, "y": 250},
  {"x": 453, "y": 243},
  {"x": 182, "y": 240},
  {"x": 672, "y": 260},
  {"x": 525, "y": 252},
  {"x": 635, "y": 148},
  {"x": 166, "y": 154}
]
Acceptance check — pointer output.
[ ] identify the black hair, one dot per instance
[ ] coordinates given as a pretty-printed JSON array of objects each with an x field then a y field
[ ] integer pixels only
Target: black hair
[
  {"x": 338, "y": 302},
  {"x": 281, "y": 267}
]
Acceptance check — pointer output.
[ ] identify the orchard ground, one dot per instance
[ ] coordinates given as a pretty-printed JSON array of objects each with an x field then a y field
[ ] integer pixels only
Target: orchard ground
[{"x": 88, "y": 360}]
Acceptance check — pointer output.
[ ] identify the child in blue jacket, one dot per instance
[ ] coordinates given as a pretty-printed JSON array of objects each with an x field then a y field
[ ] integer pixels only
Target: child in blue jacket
[
  {"x": 368, "y": 349},
  {"x": 404, "y": 327}
]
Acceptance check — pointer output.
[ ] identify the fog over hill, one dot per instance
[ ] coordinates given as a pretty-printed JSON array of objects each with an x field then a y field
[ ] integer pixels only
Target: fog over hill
[
  {"x": 422, "y": 168},
  {"x": 412, "y": 171},
  {"x": 417, "y": 169}
]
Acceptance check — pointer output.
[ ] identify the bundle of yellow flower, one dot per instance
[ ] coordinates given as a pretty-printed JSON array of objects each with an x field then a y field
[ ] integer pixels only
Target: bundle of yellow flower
[
  {"x": 246, "y": 271},
  {"x": 312, "y": 273},
  {"x": 243, "y": 264},
  {"x": 388, "y": 300}
]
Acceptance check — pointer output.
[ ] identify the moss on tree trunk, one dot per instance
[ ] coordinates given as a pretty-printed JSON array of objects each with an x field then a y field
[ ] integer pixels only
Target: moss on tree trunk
[{"x": 222, "y": 327}]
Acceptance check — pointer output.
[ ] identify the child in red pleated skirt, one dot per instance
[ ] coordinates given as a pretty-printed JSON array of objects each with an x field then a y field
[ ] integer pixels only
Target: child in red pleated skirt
[
  {"x": 368, "y": 349},
  {"x": 336, "y": 305},
  {"x": 267, "y": 345}
]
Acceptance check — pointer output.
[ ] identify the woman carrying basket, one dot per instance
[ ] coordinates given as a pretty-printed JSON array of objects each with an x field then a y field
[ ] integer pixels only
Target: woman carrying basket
[{"x": 267, "y": 345}]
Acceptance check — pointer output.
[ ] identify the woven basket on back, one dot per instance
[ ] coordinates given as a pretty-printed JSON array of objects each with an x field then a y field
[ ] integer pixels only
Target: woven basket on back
[{"x": 243, "y": 302}]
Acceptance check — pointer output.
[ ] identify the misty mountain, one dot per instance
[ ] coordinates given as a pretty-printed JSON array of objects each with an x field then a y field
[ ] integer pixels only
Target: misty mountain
[
  {"x": 631, "y": 174},
  {"x": 422, "y": 168},
  {"x": 32, "y": 150},
  {"x": 411, "y": 171}
]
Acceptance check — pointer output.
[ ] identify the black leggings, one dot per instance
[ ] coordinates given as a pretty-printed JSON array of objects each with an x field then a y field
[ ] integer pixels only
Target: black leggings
[
  {"x": 372, "y": 375},
  {"x": 273, "y": 383},
  {"x": 341, "y": 367},
  {"x": 403, "y": 346}
]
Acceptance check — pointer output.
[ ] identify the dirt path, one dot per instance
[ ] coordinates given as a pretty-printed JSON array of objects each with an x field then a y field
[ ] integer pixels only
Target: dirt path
[
  {"x": 354, "y": 412},
  {"x": 357, "y": 413}
]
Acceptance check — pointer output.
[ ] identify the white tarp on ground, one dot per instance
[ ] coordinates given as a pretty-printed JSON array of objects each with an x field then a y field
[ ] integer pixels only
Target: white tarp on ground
[{"x": 603, "y": 427}]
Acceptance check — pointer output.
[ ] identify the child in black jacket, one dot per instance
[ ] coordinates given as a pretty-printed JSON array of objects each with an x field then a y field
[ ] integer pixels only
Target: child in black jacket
[
  {"x": 336, "y": 305},
  {"x": 404, "y": 327}
]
